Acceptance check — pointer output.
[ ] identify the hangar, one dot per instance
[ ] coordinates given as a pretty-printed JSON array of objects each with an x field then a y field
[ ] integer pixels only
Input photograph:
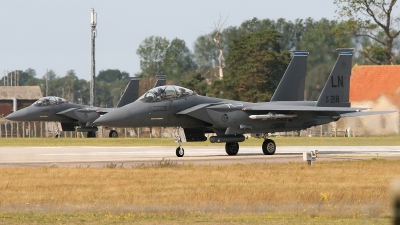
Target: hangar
[{"x": 17, "y": 97}]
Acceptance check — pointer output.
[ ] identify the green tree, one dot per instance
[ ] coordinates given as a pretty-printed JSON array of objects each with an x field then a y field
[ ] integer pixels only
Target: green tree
[
  {"x": 178, "y": 60},
  {"x": 112, "y": 75},
  {"x": 373, "y": 19},
  {"x": 290, "y": 32},
  {"x": 151, "y": 53},
  {"x": 103, "y": 94},
  {"x": 196, "y": 83},
  {"x": 205, "y": 51},
  {"x": 255, "y": 65},
  {"x": 69, "y": 83},
  {"x": 110, "y": 84},
  {"x": 319, "y": 39}
]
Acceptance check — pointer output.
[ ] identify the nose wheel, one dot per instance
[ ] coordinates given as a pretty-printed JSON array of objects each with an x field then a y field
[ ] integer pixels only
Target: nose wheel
[{"x": 180, "y": 151}]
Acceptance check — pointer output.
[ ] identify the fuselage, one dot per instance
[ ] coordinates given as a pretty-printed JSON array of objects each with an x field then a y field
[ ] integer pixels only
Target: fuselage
[
  {"x": 219, "y": 115},
  {"x": 49, "y": 109}
]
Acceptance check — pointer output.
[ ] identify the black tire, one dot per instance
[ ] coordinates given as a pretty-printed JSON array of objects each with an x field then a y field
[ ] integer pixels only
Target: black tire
[
  {"x": 91, "y": 134},
  {"x": 269, "y": 147},
  {"x": 232, "y": 148},
  {"x": 180, "y": 152},
  {"x": 113, "y": 134}
]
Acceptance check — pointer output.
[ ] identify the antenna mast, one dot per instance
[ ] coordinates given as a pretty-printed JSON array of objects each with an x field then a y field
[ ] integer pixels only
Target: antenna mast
[{"x": 93, "y": 23}]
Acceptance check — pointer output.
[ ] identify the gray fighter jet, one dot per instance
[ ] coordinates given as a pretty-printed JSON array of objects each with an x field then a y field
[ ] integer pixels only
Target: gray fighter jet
[
  {"x": 174, "y": 106},
  {"x": 70, "y": 115}
]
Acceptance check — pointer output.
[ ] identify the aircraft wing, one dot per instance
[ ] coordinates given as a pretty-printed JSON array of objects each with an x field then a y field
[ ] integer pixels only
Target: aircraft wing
[
  {"x": 193, "y": 109},
  {"x": 367, "y": 113},
  {"x": 66, "y": 112},
  {"x": 264, "y": 111},
  {"x": 85, "y": 114},
  {"x": 100, "y": 111},
  {"x": 272, "y": 108}
]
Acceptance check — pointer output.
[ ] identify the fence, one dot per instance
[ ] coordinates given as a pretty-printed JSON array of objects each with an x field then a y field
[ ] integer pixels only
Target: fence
[{"x": 11, "y": 129}]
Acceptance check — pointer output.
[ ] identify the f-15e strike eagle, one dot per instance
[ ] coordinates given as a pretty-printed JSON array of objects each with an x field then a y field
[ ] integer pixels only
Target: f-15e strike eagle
[
  {"x": 174, "y": 106},
  {"x": 70, "y": 115}
]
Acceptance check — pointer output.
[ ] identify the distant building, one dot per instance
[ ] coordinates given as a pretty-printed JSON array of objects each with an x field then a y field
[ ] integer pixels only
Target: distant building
[
  {"x": 24, "y": 95},
  {"x": 378, "y": 88}
]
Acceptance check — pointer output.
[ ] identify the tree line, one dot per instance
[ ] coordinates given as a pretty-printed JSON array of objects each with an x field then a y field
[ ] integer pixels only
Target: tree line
[{"x": 246, "y": 62}]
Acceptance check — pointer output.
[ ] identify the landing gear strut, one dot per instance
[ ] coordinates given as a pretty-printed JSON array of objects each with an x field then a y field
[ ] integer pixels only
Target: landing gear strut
[
  {"x": 231, "y": 148},
  {"x": 113, "y": 134},
  {"x": 57, "y": 135},
  {"x": 180, "y": 152},
  {"x": 269, "y": 147}
]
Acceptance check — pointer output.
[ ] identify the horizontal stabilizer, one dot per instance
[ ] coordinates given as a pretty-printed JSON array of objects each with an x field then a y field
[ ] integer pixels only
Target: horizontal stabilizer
[{"x": 367, "y": 113}]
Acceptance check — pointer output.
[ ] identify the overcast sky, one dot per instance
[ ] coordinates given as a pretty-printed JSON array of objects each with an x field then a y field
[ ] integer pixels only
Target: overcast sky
[{"x": 55, "y": 35}]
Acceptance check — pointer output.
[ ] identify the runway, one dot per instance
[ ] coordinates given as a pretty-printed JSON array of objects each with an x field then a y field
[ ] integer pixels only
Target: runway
[{"x": 71, "y": 156}]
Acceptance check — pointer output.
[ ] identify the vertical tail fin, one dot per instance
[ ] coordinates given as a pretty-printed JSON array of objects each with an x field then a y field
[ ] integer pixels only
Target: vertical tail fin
[
  {"x": 131, "y": 92},
  {"x": 162, "y": 80},
  {"x": 337, "y": 87},
  {"x": 291, "y": 86}
]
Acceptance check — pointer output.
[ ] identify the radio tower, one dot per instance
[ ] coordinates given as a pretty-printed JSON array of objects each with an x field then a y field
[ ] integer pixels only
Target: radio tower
[{"x": 93, "y": 23}]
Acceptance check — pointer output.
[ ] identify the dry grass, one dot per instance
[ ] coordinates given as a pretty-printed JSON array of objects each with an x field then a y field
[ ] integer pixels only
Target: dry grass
[
  {"x": 293, "y": 190},
  {"x": 280, "y": 141}
]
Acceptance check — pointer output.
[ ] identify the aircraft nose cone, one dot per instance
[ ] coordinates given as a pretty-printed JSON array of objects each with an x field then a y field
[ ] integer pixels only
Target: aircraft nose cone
[
  {"x": 115, "y": 118},
  {"x": 19, "y": 115}
]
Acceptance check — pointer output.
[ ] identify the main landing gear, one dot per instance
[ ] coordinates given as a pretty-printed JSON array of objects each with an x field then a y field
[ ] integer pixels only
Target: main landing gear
[
  {"x": 91, "y": 134},
  {"x": 113, "y": 134},
  {"x": 268, "y": 147},
  {"x": 231, "y": 148}
]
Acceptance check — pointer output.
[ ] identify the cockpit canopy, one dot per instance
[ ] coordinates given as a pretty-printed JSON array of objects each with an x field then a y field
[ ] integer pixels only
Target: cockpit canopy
[
  {"x": 165, "y": 92},
  {"x": 49, "y": 100}
]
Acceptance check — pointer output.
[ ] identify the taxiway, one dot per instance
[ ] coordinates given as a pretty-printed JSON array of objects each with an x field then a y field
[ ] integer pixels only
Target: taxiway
[{"x": 72, "y": 156}]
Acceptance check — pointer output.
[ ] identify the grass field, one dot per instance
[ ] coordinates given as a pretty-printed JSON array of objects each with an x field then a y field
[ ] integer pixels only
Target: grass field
[
  {"x": 280, "y": 141},
  {"x": 346, "y": 192}
]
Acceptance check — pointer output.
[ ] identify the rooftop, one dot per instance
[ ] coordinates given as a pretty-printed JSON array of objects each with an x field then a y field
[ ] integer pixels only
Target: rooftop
[
  {"x": 20, "y": 92},
  {"x": 370, "y": 82}
]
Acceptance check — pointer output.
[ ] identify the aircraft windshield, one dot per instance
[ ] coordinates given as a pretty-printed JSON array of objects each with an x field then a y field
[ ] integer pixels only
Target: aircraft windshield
[
  {"x": 49, "y": 100},
  {"x": 165, "y": 92}
]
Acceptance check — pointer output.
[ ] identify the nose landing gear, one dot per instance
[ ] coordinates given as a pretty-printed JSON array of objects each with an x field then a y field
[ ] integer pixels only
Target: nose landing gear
[{"x": 180, "y": 152}]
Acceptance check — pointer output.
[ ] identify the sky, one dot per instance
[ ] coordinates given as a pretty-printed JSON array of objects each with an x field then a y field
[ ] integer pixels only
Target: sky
[{"x": 56, "y": 35}]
